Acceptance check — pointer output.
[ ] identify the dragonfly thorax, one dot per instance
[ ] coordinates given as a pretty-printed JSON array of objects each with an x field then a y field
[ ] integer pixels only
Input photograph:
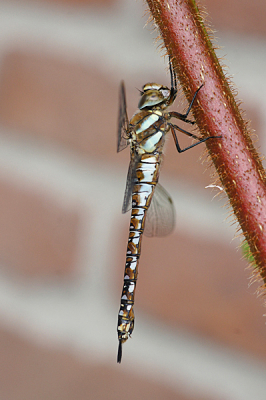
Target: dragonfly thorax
[{"x": 154, "y": 94}]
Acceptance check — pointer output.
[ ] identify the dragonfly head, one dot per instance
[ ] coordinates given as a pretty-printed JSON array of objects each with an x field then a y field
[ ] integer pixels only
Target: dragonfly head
[{"x": 153, "y": 94}]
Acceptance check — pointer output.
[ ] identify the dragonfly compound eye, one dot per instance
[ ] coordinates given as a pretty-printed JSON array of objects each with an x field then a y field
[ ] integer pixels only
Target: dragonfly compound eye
[{"x": 151, "y": 98}]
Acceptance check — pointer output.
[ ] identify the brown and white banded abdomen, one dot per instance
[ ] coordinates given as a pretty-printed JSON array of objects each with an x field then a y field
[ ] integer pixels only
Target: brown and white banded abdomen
[{"x": 147, "y": 176}]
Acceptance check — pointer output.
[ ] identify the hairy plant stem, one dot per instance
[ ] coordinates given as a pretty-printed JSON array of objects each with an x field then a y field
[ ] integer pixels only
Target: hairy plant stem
[{"x": 234, "y": 156}]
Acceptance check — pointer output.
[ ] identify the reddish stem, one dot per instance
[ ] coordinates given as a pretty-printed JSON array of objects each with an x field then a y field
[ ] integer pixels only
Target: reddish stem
[{"x": 236, "y": 161}]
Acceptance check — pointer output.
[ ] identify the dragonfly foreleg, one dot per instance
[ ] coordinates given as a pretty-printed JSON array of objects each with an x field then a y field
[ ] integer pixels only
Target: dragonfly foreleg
[
  {"x": 172, "y": 127},
  {"x": 183, "y": 117},
  {"x": 192, "y": 101}
]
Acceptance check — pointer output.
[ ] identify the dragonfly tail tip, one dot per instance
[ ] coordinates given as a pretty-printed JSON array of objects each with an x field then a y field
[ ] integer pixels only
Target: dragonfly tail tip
[{"x": 119, "y": 354}]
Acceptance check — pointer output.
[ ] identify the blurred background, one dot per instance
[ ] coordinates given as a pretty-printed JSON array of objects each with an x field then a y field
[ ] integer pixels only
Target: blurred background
[{"x": 200, "y": 331}]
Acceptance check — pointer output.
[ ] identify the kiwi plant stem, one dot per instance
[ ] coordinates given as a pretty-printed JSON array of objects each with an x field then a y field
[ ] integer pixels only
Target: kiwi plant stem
[{"x": 217, "y": 113}]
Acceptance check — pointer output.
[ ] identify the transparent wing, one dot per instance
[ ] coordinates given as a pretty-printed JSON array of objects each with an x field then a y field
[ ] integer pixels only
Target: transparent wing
[
  {"x": 131, "y": 179},
  {"x": 122, "y": 142},
  {"x": 160, "y": 219}
]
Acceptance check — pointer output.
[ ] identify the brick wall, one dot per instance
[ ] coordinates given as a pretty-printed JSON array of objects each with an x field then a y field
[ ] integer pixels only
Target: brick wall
[{"x": 200, "y": 331}]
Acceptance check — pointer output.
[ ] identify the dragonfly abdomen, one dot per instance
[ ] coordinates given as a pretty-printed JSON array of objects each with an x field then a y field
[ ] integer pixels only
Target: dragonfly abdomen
[{"x": 146, "y": 178}]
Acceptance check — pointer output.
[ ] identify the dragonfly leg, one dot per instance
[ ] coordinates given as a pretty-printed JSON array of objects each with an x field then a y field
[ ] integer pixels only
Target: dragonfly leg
[
  {"x": 189, "y": 134},
  {"x": 183, "y": 117},
  {"x": 175, "y": 114},
  {"x": 192, "y": 101},
  {"x": 183, "y": 131},
  {"x": 173, "y": 83}
]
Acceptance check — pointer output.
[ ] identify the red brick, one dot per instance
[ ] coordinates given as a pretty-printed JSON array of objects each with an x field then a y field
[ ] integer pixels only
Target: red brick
[
  {"x": 76, "y": 3},
  {"x": 237, "y": 15},
  {"x": 201, "y": 286},
  {"x": 58, "y": 101},
  {"x": 33, "y": 372},
  {"x": 38, "y": 237}
]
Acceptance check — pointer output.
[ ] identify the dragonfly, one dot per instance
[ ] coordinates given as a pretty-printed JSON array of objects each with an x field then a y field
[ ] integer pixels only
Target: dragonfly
[{"x": 152, "y": 209}]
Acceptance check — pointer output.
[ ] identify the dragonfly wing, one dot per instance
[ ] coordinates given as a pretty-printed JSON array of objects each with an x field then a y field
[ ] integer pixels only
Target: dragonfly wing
[
  {"x": 122, "y": 142},
  {"x": 160, "y": 219},
  {"x": 131, "y": 180}
]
